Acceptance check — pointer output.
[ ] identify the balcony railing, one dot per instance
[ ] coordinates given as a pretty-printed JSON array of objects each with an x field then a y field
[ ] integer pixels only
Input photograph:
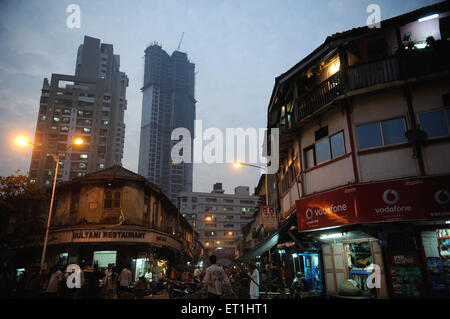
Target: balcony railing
[
  {"x": 323, "y": 94},
  {"x": 369, "y": 74},
  {"x": 393, "y": 68}
]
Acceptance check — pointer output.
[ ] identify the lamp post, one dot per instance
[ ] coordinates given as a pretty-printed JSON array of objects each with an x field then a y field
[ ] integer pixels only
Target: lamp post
[
  {"x": 24, "y": 142},
  {"x": 239, "y": 164}
]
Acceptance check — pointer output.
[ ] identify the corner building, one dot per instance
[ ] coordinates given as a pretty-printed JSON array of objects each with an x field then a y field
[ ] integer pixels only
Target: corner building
[{"x": 365, "y": 156}]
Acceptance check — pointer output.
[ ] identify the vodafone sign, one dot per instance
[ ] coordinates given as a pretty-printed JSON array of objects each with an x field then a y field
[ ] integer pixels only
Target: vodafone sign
[{"x": 407, "y": 199}]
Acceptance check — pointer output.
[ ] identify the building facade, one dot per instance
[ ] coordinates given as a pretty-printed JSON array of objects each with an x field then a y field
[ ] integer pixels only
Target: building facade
[
  {"x": 364, "y": 173},
  {"x": 89, "y": 105},
  {"x": 119, "y": 217},
  {"x": 168, "y": 102},
  {"x": 218, "y": 217}
]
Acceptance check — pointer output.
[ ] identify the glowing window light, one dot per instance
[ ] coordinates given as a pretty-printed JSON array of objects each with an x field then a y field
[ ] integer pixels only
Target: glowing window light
[
  {"x": 335, "y": 67},
  {"x": 430, "y": 17}
]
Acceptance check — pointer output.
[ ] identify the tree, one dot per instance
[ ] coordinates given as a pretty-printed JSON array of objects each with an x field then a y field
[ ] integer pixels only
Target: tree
[{"x": 23, "y": 206}]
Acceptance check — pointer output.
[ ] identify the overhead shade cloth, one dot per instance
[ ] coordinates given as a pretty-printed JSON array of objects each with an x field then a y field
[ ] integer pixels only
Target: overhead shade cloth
[{"x": 271, "y": 241}]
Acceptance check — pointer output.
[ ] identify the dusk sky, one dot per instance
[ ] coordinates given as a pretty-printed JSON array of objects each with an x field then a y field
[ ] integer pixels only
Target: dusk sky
[{"x": 238, "y": 48}]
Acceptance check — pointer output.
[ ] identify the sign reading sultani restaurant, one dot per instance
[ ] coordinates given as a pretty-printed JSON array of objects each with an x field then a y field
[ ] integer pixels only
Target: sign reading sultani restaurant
[{"x": 113, "y": 236}]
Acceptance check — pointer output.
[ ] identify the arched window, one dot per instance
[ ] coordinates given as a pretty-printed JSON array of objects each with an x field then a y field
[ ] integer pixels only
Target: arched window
[
  {"x": 117, "y": 200},
  {"x": 108, "y": 200}
]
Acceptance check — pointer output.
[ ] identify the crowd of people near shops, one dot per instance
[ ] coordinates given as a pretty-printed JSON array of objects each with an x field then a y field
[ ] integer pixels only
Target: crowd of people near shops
[{"x": 217, "y": 281}]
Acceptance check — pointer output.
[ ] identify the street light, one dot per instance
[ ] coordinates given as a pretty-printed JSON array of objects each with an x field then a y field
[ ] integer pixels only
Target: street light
[
  {"x": 22, "y": 141},
  {"x": 239, "y": 164}
]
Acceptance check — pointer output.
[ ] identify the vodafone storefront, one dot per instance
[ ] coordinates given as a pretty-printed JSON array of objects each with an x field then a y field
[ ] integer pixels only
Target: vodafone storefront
[{"x": 396, "y": 225}]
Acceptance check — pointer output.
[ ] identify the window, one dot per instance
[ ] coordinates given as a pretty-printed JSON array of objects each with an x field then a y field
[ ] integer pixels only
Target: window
[
  {"x": 194, "y": 199},
  {"x": 435, "y": 123},
  {"x": 328, "y": 148},
  {"x": 82, "y": 165},
  {"x": 394, "y": 131},
  {"x": 337, "y": 145},
  {"x": 323, "y": 151},
  {"x": 369, "y": 135},
  {"x": 116, "y": 201},
  {"x": 108, "y": 200},
  {"x": 74, "y": 200},
  {"x": 382, "y": 133}
]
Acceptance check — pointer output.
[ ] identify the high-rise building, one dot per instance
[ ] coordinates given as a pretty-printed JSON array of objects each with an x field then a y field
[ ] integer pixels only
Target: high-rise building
[
  {"x": 168, "y": 102},
  {"x": 90, "y": 105},
  {"x": 218, "y": 217}
]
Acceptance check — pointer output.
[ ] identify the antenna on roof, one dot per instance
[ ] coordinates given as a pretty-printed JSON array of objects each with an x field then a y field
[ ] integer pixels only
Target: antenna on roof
[{"x": 179, "y": 43}]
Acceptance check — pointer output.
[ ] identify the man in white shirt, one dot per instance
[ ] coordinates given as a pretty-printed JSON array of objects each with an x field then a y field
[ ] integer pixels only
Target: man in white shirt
[
  {"x": 125, "y": 278},
  {"x": 254, "y": 282},
  {"x": 55, "y": 282},
  {"x": 214, "y": 280}
]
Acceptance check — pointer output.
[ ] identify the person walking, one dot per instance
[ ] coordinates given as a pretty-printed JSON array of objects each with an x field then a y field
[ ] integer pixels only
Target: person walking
[
  {"x": 140, "y": 287},
  {"x": 55, "y": 282},
  {"x": 109, "y": 283},
  {"x": 254, "y": 282},
  {"x": 215, "y": 279},
  {"x": 124, "y": 279}
]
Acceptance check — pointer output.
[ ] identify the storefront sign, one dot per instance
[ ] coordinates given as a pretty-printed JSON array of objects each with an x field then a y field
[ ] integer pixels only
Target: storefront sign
[
  {"x": 116, "y": 236},
  {"x": 269, "y": 218},
  {"x": 408, "y": 199},
  {"x": 87, "y": 236}
]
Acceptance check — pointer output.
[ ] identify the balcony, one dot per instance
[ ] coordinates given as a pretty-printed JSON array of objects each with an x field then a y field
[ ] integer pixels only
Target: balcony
[{"x": 407, "y": 65}]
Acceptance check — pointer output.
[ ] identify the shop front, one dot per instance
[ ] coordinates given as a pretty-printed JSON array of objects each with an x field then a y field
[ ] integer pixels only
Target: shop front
[
  {"x": 436, "y": 250},
  {"x": 148, "y": 252},
  {"x": 384, "y": 236}
]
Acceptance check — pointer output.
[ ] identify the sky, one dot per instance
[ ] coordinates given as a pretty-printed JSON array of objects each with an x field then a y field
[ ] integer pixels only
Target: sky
[{"x": 238, "y": 47}]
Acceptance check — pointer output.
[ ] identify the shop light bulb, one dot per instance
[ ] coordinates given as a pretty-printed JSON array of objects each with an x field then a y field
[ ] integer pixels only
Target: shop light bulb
[
  {"x": 420, "y": 45},
  {"x": 430, "y": 17},
  {"x": 447, "y": 222},
  {"x": 336, "y": 235}
]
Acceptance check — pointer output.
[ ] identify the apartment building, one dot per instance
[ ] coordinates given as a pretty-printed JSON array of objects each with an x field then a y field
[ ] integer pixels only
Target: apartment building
[
  {"x": 88, "y": 105},
  {"x": 218, "y": 217}
]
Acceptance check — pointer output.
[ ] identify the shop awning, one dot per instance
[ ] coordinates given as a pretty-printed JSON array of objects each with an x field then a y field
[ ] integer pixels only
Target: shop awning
[{"x": 270, "y": 242}]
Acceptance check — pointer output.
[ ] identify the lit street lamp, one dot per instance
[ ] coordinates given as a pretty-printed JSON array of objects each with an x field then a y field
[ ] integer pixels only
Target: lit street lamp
[
  {"x": 22, "y": 141},
  {"x": 239, "y": 164}
]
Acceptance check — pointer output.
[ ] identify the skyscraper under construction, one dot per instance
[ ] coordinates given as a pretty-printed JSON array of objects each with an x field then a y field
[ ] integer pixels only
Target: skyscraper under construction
[{"x": 168, "y": 102}]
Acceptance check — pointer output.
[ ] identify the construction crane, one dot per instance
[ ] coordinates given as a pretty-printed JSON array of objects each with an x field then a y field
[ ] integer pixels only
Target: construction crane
[{"x": 179, "y": 44}]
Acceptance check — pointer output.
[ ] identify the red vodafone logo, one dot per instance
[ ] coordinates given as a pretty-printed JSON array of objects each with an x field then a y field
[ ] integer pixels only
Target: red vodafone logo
[
  {"x": 309, "y": 213},
  {"x": 442, "y": 197},
  {"x": 391, "y": 197}
]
